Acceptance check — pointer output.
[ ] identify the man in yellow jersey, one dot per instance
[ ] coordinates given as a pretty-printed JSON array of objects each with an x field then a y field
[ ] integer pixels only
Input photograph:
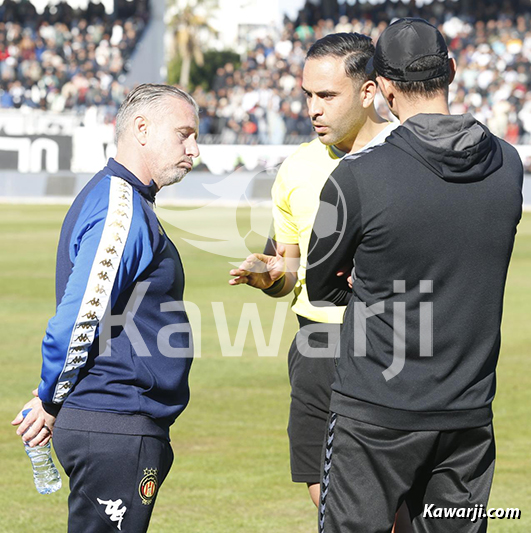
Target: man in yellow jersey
[{"x": 340, "y": 100}]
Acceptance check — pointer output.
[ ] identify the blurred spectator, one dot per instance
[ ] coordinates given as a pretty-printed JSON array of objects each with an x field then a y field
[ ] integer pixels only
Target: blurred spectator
[
  {"x": 71, "y": 59},
  {"x": 67, "y": 58},
  {"x": 491, "y": 44}
]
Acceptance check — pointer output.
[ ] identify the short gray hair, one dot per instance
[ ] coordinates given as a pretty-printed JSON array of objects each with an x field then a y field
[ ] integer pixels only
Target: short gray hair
[{"x": 147, "y": 96}]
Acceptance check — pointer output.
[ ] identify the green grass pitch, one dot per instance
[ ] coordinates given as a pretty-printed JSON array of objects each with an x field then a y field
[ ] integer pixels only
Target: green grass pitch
[{"x": 231, "y": 469}]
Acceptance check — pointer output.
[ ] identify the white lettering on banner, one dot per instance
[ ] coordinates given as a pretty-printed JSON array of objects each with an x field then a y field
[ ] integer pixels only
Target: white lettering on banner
[
  {"x": 52, "y": 155},
  {"x": 30, "y": 153},
  {"x": 251, "y": 316}
]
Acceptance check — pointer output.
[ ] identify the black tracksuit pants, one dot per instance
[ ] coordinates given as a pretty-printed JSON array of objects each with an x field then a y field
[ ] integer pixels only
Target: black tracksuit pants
[{"x": 114, "y": 479}]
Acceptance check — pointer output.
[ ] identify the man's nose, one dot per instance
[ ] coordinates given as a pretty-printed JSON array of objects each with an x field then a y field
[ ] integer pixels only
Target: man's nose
[
  {"x": 192, "y": 149},
  {"x": 315, "y": 108}
]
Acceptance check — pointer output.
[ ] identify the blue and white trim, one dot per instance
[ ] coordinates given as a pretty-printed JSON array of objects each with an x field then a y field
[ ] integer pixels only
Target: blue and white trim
[{"x": 99, "y": 286}]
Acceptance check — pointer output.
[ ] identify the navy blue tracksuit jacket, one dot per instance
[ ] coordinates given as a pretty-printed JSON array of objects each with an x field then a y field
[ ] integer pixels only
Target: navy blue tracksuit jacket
[{"x": 115, "y": 259}]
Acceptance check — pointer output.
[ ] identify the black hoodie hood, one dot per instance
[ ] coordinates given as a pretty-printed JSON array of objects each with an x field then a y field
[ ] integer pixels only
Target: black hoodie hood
[{"x": 456, "y": 147}]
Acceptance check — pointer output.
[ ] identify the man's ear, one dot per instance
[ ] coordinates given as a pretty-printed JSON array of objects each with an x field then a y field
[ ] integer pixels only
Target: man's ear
[
  {"x": 368, "y": 93},
  {"x": 140, "y": 129},
  {"x": 453, "y": 67},
  {"x": 387, "y": 89}
]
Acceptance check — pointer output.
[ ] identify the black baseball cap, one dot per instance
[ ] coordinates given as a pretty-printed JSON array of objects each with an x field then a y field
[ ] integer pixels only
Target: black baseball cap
[{"x": 401, "y": 44}]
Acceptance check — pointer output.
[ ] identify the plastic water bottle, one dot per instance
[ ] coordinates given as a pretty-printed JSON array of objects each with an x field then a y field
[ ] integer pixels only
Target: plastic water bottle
[{"x": 45, "y": 474}]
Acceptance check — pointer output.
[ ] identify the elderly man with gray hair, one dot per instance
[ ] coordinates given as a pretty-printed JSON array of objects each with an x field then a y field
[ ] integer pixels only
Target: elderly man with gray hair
[{"x": 110, "y": 398}]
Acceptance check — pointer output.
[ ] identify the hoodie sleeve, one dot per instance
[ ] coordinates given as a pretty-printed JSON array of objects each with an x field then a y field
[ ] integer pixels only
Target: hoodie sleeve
[
  {"x": 335, "y": 236},
  {"x": 109, "y": 248}
]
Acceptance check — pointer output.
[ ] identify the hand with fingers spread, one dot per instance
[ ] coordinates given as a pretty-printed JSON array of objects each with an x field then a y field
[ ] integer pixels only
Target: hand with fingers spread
[
  {"x": 260, "y": 270},
  {"x": 37, "y": 427}
]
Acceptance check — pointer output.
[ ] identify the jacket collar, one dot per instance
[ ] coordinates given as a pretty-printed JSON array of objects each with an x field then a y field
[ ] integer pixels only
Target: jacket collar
[{"x": 147, "y": 191}]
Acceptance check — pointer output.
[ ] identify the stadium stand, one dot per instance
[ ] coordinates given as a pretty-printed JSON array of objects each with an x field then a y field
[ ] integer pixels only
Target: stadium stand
[
  {"x": 67, "y": 58},
  {"x": 262, "y": 101},
  {"x": 70, "y": 59}
]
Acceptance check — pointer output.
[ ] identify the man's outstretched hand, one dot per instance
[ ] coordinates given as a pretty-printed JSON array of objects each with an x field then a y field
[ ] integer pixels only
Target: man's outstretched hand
[{"x": 260, "y": 270}]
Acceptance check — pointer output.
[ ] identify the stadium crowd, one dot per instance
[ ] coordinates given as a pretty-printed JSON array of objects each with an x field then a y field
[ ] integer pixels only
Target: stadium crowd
[
  {"x": 68, "y": 59},
  {"x": 262, "y": 101}
]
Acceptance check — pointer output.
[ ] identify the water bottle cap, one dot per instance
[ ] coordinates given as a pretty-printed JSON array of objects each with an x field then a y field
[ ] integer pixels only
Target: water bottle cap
[{"x": 25, "y": 412}]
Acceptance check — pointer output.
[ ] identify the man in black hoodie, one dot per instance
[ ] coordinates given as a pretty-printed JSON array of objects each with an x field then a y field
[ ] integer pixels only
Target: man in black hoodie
[{"x": 429, "y": 219}]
